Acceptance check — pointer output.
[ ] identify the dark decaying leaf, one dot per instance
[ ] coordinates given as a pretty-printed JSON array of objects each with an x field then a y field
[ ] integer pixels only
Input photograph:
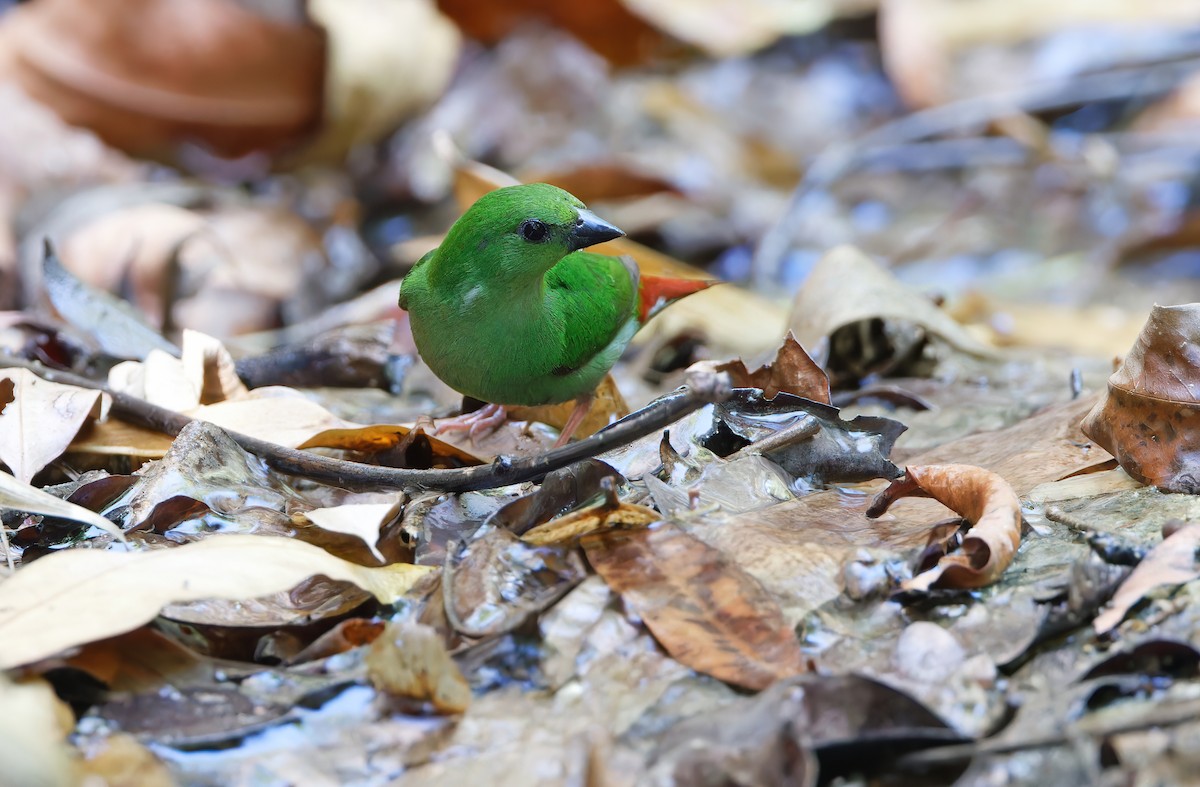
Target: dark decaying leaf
[
  {"x": 1149, "y": 417},
  {"x": 1173, "y": 562},
  {"x": 498, "y": 581},
  {"x": 115, "y": 326},
  {"x": 853, "y": 725},
  {"x": 704, "y": 610},
  {"x": 982, "y": 498},
  {"x": 792, "y": 371},
  {"x": 560, "y": 492},
  {"x": 831, "y": 450}
]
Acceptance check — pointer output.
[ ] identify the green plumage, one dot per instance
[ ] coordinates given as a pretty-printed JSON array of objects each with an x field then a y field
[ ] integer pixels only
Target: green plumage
[{"x": 512, "y": 315}]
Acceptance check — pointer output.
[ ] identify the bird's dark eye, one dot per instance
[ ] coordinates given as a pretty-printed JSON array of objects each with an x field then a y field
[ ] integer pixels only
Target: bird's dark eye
[{"x": 534, "y": 231}]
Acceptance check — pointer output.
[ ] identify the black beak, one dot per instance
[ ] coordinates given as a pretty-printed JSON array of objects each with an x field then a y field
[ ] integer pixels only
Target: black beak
[{"x": 589, "y": 230}]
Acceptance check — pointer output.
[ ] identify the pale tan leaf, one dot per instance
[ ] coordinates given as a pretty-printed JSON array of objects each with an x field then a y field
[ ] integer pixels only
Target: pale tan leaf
[
  {"x": 410, "y": 660},
  {"x": 160, "y": 379},
  {"x": 41, "y": 420},
  {"x": 363, "y": 520},
  {"x": 289, "y": 420},
  {"x": 78, "y": 596},
  {"x": 20, "y": 496},
  {"x": 386, "y": 61},
  {"x": 211, "y": 368},
  {"x": 33, "y": 731}
]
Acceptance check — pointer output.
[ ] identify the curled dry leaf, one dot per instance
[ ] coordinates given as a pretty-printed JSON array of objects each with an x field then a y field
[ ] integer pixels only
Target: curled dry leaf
[
  {"x": 410, "y": 660},
  {"x": 145, "y": 74},
  {"x": 792, "y": 371},
  {"x": 979, "y": 496},
  {"x": 705, "y": 611},
  {"x": 1173, "y": 562},
  {"x": 69, "y": 598},
  {"x": 847, "y": 287},
  {"x": 1149, "y": 418},
  {"x": 41, "y": 420}
]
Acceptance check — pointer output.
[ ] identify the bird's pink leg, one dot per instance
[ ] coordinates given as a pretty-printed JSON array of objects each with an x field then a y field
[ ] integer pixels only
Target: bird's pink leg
[
  {"x": 477, "y": 424},
  {"x": 582, "y": 405}
]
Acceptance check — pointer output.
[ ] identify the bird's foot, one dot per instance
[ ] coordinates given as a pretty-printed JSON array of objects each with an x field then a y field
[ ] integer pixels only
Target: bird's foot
[
  {"x": 578, "y": 413},
  {"x": 478, "y": 424}
]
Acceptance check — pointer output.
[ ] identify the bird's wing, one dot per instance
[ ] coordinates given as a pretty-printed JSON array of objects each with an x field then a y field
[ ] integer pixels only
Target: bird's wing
[{"x": 596, "y": 297}]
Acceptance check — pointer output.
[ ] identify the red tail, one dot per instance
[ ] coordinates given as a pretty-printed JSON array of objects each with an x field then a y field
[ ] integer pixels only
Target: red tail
[{"x": 658, "y": 291}]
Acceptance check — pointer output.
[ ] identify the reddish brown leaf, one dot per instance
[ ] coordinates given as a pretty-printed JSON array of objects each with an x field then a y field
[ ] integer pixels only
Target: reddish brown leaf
[
  {"x": 144, "y": 74},
  {"x": 792, "y": 371},
  {"x": 708, "y": 613},
  {"x": 1173, "y": 562},
  {"x": 1149, "y": 419},
  {"x": 979, "y": 496}
]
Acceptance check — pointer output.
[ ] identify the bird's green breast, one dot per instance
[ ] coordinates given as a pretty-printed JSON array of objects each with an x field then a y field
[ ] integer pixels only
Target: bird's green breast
[{"x": 547, "y": 339}]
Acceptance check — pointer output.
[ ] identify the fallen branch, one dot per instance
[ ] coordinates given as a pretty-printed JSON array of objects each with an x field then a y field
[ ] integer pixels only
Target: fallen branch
[{"x": 702, "y": 389}]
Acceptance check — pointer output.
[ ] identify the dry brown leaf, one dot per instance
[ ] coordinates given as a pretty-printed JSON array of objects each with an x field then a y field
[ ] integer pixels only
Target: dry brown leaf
[
  {"x": 1172, "y": 562},
  {"x": 982, "y": 498},
  {"x": 705, "y": 611},
  {"x": 146, "y": 75},
  {"x": 409, "y": 660},
  {"x": 39, "y": 423},
  {"x": 67, "y": 598},
  {"x": 210, "y": 365},
  {"x": 792, "y": 371},
  {"x": 1149, "y": 418},
  {"x": 604, "y": 25}
]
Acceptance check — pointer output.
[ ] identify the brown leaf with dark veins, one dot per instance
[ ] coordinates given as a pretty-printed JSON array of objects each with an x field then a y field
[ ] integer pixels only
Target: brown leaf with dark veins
[
  {"x": 705, "y": 611},
  {"x": 979, "y": 496},
  {"x": 792, "y": 371},
  {"x": 1149, "y": 418}
]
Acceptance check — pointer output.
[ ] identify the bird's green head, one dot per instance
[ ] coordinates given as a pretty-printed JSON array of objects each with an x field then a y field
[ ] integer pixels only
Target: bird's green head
[{"x": 523, "y": 231}]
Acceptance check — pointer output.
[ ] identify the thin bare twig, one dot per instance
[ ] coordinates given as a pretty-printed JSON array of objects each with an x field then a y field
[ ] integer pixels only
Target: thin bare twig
[{"x": 702, "y": 389}]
